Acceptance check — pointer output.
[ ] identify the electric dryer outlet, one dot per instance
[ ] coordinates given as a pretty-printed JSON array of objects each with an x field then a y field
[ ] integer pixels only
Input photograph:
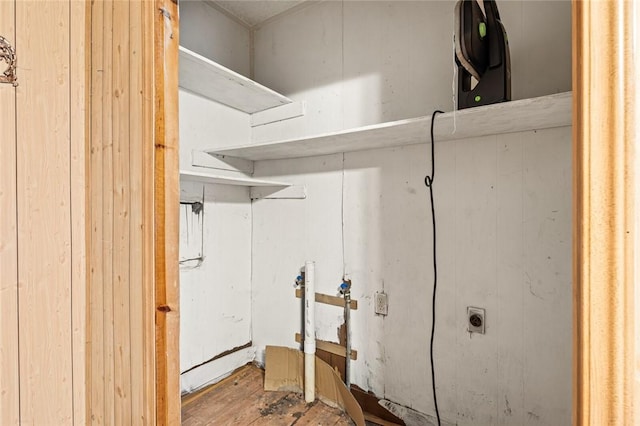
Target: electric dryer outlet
[{"x": 475, "y": 320}]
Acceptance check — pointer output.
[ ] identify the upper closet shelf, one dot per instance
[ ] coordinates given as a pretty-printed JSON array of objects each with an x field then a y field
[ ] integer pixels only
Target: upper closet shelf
[
  {"x": 516, "y": 116},
  {"x": 189, "y": 176},
  {"x": 206, "y": 78}
]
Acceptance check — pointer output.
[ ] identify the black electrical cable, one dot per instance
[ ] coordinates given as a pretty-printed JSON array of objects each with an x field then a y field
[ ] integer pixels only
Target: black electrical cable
[{"x": 428, "y": 180}]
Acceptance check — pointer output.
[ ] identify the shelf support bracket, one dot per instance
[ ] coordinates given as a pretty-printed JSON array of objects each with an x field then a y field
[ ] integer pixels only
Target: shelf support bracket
[{"x": 294, "y": 192}]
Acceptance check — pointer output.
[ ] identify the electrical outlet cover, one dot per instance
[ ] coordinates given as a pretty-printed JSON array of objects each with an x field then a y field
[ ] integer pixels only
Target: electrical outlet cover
[
  {"x": 475, "y": 320},
  {"x": 381, "y": 304}
]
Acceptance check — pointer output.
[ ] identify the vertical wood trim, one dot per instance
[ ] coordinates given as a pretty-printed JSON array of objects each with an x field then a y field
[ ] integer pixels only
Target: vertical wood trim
[
  {"x": 96, "y": 274},
  {"x": 136, "y": 224},
  {"x": 149, "y": 13},
  {"x": 636, "y": 308},
  {"x": 166, "y": 213},
  {"x": 44, "y": 212},
  {"x": 604, "y": 137},
  {"x": 107, "y": 218},
  {"x": 9, "y": 380},
  {"x": 121, "y": 205},
  {"x": 79, "y": 102}
]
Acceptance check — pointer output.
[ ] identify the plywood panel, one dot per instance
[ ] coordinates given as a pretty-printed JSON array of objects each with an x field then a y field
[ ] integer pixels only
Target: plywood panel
[
  {"x": 9, "y": 393},
  {"x": 44, "y": 219}
]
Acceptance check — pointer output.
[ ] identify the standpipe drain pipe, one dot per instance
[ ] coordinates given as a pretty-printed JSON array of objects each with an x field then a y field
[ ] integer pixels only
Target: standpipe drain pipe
[
  {"x": 345, "y": 289},
  {"x": 309, "y": 332}
]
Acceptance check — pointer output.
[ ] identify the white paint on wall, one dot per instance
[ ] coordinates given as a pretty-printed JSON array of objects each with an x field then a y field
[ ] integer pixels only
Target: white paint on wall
[
  {"x": 215, "y": 371},
  {"x": 280, "y": 228},
  {"x": 191, "y": 232},
  {"x": 204, "y": 123},
  {"x": 253, "y": 13},
  {"x": 210, "y": 33},
  {"x": 366, "y": 62},
  {"x": 215, "y": 297},
  {"x": 504, "y": 244},
  {"x": 503, "y": 209}
]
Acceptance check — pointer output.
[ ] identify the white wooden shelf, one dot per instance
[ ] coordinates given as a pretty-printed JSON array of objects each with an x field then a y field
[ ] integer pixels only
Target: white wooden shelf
[
  {"x": 190, "y": 176},
  {"x": 509, "y": 117},
  {"x": 206, "y": 78}
]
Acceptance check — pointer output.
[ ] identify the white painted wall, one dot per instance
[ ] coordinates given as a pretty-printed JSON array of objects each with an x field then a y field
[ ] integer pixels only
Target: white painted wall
[
  {"x": 207, "y": 124},
  {"x": 365, "y": 62},
  {"x": 205, "y": 30},
  {"x": 503, "y": 213},
  {"x": 215, "y": 297},
  {"x": 504, "y": 244}
]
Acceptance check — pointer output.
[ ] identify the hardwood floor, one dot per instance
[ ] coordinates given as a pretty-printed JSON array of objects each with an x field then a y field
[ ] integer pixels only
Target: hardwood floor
[{"x": 241, "y": 400}]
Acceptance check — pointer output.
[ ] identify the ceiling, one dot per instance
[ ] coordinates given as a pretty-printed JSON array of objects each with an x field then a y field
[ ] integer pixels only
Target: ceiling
[{"x": 255, "y": 12}]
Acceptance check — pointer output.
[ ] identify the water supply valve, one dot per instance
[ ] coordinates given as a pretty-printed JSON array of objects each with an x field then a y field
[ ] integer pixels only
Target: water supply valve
[{"x": 345, "y": 288}]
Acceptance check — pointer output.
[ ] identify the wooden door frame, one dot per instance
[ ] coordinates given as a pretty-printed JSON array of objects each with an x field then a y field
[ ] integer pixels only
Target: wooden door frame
[
  {"x": 166, "y": 200},
  {"x": 605, "y": 129},
  {"x": 604, "y": 218}
]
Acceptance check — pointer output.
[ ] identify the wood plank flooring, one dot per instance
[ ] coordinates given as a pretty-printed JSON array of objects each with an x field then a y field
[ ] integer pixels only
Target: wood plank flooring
[{"x": 241, "y": 400}]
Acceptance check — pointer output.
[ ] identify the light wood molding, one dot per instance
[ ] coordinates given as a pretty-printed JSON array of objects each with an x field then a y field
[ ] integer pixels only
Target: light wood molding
[
  {"x": 328, "y": 299},
  {"x": 9, "y": 363},
  {"x": 605, "y": 132},
  {"x": 80, "y": 71},
  {"x": 330, "y": 347},
  {"x": 167, "y": 197}
]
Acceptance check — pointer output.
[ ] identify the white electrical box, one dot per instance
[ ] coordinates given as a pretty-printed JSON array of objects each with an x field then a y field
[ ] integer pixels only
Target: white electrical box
[{"x": 381, "y": 304}]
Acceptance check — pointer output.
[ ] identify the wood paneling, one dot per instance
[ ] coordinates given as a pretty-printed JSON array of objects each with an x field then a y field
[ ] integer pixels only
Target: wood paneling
[
  {"x": 79, "y": 152},
  {"x": 133, "y": 192},
  {"x": 106, "y": 219},
  {"x": 148, "y": 289},
  {"x": 138, "y": 215},
  {"x": 96, "y": 268},
  {"x": 122, "y": 142},
  {"x": 122, "y": 284},
  {"x": 9, "y": 408},
  {"x": 605, "y": 137},
  {"x": 44, "y": 212}
]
